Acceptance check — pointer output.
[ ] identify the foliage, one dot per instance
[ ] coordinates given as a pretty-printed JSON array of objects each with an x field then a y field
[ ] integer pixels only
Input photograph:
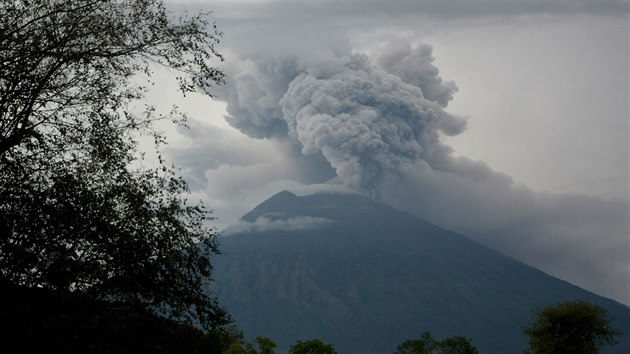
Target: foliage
[
  {"x": 261, "y": 345},
  {"x": 456, "y": 345},
  {"x": 76, "y": 216},
  {"x": 312, "y": 346},
  {"x": 428, "y": 345},
  {"x": 570, "y": 327},
  {"x": 41, "y": 320},
  {"x": 65, "y": 61}
]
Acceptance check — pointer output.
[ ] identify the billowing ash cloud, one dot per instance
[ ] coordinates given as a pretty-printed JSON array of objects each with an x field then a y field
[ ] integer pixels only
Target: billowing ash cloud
[
  {"x": 367, "y": 118},
  {"x": 253, "y": 93},
  {"x": 415, "y": 67},
  {"x": 377, "y": 121}
]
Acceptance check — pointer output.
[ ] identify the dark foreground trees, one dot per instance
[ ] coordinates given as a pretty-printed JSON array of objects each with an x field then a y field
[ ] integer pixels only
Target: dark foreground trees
[
  {"x": 45, "y": 321},
  {"x": 426, "y": 344},
  {"x": 78, "y": 215},
  {"x": 312, "y": 346},
  {"x": 570, "y": 327},
  {"x": 261, "y": 345},
  {"x": 264, "y": 345}
]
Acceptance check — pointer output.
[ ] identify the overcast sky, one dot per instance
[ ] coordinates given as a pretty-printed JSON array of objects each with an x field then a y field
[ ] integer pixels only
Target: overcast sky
[{"x": 505, "y": 121}]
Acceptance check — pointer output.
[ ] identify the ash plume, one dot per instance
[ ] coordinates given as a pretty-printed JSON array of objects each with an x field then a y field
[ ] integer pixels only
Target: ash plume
[
  {"x": 367, "y": 118},
  {"x": 377, "y": 121}
]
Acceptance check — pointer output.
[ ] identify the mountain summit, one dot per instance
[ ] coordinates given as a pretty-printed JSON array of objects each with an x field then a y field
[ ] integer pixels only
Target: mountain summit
[{"x": 365, "y": 277}]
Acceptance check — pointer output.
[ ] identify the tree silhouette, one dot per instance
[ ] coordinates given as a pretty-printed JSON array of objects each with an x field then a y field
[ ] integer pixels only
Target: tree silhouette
[
  {"x": 426, "y": 344},
  {"x": 570, "y": 327},
  {"x": 77, "y": 214},
  {"x": 261, "y": 345},
  {"x": 312, "y": 346}
]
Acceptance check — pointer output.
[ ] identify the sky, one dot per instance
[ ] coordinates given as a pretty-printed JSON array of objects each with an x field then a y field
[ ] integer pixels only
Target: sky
[{"x": 506, "y": 121}]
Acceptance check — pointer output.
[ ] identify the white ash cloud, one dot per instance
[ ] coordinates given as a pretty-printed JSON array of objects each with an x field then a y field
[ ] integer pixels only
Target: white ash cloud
[{"x": 276, "y": 223}]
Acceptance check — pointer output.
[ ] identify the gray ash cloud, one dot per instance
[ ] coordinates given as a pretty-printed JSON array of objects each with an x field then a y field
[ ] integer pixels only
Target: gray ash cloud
[{"x": 366, "y": 117}]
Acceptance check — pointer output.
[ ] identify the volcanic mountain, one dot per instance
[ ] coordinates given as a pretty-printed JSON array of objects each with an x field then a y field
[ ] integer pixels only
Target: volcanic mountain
[{"x": 365, "y": 277}]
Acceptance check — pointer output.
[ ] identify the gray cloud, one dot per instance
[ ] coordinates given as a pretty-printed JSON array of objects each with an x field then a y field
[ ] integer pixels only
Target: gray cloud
[
  {"x": 581, "y": 239},
  {"x": 364, "y": 120},
  {"x": 415, "y": 67},
  {"x": 276, "y": 222},
  {"x": 313, "y": 20},
  {"x": 253, "y": 92},
  {"x": 378, "y": 120},
  {"x": 204, "y": 147}
]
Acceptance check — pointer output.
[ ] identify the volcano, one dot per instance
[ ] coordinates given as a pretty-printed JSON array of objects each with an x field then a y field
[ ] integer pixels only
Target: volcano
[{"x": 365, "y": 277}]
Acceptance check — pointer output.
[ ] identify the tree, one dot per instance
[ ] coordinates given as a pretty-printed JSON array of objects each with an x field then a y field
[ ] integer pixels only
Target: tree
[
  {"x": 77, "y": 214},
  {"x": 457, "y": 345},
  {"x": 261, "y": 345},
  {"x": 63, "y": 62},
  {"x": 312, "y": 346},
  {"x": 425, "y": 345},
  {"x": 428, "y": 345},
  {"x": 570, "y": 327},
  {"x": 46, "y": 321}
]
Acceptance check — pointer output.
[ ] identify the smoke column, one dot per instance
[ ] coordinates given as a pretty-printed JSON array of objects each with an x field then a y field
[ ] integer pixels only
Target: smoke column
[
  {"x": 367, "y": 118},
  {"x": 377, "y": 121}
]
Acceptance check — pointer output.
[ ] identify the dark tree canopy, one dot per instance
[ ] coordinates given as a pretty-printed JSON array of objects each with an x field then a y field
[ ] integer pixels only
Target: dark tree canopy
[
  {"x": 261, "y": 345},
  {"x": 570, "y": 327},
  {"x": 77, "y": 213},
  {"x": 312, "y": 346},
  {"x": 45, "y": 321},
  {"x": 63, "y": 62},
  {"x": 426, "y": 344}
]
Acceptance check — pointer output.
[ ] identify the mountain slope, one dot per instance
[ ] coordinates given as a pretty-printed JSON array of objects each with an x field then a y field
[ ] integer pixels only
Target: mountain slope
[{"x": 365, "y": 277}]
